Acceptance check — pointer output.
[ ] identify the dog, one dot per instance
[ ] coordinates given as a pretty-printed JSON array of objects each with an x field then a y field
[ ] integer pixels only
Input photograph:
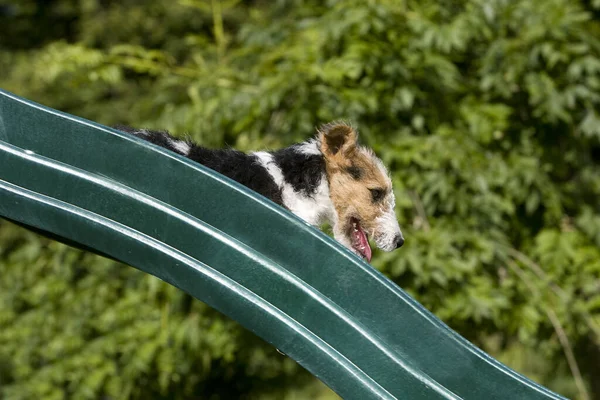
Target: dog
[{"x": 328, "y": 179}]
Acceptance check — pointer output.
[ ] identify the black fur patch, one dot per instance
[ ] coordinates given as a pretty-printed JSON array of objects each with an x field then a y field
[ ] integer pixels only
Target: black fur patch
[
  {"x": 355, "y": 172},
  {"x": 243, "y": 168},
  {"x": 302, "y": 171},
  {"x": 160, "y": 138}
]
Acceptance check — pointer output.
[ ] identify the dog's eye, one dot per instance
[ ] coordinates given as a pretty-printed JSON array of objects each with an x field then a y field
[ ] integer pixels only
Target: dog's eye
[{"x": 377, "y": 195}]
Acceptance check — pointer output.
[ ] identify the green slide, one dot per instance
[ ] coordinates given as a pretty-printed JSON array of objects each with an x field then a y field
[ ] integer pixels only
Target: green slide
[{"x": 292, "y": 285}]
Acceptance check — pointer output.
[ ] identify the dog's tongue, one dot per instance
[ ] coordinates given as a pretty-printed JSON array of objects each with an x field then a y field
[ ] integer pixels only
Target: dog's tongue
[{"x": 360, "y": 238}]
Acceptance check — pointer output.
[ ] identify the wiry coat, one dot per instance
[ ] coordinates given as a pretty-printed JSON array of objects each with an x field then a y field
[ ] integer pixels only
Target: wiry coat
[{"x": 299, "y": 178}]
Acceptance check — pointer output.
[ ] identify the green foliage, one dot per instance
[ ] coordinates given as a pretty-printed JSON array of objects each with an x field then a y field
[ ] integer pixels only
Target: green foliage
[{"x": 486, "y": 112}]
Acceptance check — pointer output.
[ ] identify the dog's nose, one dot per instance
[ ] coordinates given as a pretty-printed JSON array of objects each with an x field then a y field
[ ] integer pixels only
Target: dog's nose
[{"x": 399, "y": 240}]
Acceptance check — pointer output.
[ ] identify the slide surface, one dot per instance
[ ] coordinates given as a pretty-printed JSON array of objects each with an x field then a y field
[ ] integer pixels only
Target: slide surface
[{"x": 292, "y": 285}]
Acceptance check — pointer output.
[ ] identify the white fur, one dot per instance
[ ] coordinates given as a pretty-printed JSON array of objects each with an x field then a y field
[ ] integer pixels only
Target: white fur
[
  {"x": 181, "y": 146},
  {"x": 382, "y": 168},
  {"x": 315, "y": 209},
  {"x": 388, "y": 228},
  {"x": 310, "y": 148},
  {"x": 378, "y": 163}
]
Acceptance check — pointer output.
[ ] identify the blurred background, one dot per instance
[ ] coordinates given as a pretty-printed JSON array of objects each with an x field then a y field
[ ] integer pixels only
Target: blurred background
[{"x": 486, "y": 111}]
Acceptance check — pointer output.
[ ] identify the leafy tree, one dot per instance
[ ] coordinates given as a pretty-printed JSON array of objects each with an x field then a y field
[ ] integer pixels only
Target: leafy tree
[{"x": 486, "y": 112}]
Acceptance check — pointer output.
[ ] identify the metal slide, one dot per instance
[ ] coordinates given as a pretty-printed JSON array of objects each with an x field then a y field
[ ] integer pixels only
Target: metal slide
[{"x": 240, "y": 253}]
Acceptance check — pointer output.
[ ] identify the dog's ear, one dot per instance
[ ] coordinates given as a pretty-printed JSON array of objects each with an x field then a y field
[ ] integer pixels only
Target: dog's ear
[{"x": 337, "y": 138}]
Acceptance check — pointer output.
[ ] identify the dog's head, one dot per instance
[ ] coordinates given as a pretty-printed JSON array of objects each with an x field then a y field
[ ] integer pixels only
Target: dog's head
[{"x": 361, "y": 192}]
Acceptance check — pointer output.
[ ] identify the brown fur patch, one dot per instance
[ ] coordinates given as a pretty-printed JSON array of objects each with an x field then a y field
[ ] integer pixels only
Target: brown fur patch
[{"x": 350, "y": 195}]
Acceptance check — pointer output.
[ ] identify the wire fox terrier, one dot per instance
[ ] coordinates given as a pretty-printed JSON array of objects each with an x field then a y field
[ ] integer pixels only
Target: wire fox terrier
[{"x": 328, "y": 179}]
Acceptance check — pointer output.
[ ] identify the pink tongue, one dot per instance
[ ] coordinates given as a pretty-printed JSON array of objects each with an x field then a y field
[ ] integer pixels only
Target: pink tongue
[{"x": 361, "y": 239}]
